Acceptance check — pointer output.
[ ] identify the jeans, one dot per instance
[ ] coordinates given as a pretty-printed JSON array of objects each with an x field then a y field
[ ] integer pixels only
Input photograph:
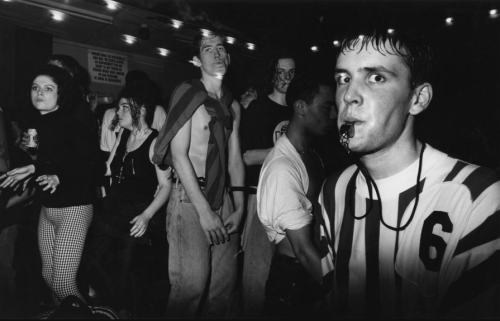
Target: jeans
[
  {"x": 203, "y": 276},
  {"x": 290, "y": 293},
  {"x": 258, "y": 252}
]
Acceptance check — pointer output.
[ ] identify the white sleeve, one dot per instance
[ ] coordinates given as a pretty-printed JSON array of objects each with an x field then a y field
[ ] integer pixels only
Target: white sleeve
[
  {"x": 283, "y": 201},
  {"x": 108, "y": 137},
  {"x": 159, "y": 118}
]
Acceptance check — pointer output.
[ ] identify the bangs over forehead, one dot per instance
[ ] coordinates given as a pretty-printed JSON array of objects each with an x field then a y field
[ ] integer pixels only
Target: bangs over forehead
[{"x": 416, "y": 54}]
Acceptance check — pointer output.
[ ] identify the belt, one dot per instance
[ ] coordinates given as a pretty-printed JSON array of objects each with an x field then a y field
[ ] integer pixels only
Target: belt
[
  {"x": 201, "y": 181},
  {"x": 248, "y": 190}
]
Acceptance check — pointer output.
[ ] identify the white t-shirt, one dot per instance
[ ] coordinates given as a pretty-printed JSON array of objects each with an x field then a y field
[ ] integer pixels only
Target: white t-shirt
[{"x": 282, "y": 191}]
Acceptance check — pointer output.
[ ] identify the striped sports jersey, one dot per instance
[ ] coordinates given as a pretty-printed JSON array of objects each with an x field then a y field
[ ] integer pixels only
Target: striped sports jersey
[{"x": 448, "y": 256}]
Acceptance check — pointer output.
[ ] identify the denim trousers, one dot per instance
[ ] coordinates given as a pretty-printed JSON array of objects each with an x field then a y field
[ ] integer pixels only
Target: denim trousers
[
  {"x": 203, "y": 276},
  {"x": 257, "y": 256},
  {"x": 289, "y": 292}
]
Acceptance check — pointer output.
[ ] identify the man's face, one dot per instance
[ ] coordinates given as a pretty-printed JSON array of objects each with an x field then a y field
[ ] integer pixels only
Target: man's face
[
  {"x": 214, "y": 60},
  {"x": 373, "y": 92},
  {"x": 285, "y": 71},
  {"x": 321, "y": 113}
]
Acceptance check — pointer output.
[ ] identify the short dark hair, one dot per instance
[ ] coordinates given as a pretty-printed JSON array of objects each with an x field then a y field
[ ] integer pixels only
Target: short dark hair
[
  {"x": 66, "y": 92},
  {"x": 142, "y": 93},
  {"x": 200, "y": 37},
  {"x": 305, "y": 88},
  {"x": 415, "y": 51},
  {"x": 135, "y": 75}
]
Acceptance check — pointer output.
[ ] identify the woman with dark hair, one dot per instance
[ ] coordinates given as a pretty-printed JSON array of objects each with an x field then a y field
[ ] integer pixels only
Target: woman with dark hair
[
  {"x": 64, "y": 171},
  {"x": 120, "y": 248}
]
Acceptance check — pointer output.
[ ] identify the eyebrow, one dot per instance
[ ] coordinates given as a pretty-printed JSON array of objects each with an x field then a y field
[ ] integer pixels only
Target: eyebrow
[{"x": 368, "y": 70}]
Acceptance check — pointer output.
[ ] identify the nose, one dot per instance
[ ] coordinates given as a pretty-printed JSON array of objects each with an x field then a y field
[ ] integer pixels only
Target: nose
[
  {"x": 119, "y": 111},
  {"x": 217, "y": 54},
  {"x": 287, "y": 75},
  {"x": 352, "y": 95}
]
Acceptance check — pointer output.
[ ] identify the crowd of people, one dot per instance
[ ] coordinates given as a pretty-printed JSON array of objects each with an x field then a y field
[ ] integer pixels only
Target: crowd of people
[{"x": 214, "y": 208}]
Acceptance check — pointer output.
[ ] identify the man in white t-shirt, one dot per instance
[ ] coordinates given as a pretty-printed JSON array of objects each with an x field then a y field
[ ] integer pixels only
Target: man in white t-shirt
[{"x": 287, "y": 193}]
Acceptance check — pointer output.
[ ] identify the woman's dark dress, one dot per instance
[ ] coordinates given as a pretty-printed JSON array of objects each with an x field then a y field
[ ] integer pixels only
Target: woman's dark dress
[{"x": 121, "y": 265}]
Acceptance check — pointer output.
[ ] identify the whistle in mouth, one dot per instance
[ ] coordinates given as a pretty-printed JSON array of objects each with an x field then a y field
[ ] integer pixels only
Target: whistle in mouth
[{"x": 346, "y": 132}]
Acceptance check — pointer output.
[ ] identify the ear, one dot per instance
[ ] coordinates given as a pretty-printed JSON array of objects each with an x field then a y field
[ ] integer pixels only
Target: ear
[
  {"x": 299, "y": 107},
  {"x": 142, "y": 111},
  {"x": 196, "y": 61},
  {"x": 228, "y": 59},
  {"x": 422, "y": 96}
]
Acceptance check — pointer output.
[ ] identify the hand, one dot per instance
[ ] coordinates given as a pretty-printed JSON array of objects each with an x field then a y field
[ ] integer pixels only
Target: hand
[
  {"x": 214, "y": 230},
  {"x": 25, "y": 141},
  {"x": 232, "y": 223},
  {"x": 92, "y": 99},
  {"x": 140, "y": 225},
  {"x": 52, "y": 181},
  {"x": 15, "y": 176}
]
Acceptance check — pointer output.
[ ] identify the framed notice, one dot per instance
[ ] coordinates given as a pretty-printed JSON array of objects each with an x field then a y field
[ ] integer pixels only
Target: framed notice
[{"x": 105, "y": 67}]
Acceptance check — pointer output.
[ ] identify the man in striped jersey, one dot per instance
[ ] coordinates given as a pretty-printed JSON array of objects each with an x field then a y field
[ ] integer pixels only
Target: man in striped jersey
[{"x": 411, "y": 232}]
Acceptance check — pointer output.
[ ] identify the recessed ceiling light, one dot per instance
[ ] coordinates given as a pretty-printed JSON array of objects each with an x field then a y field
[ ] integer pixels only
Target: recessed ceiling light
[
  {"x": 250, "y": 46},
  {"x": 111, "y": 5},
  {"x": 205, "y": 32},
  {"x": 163, "y": 51},
  {"x": 176, "y": 23},
  {"x": 129, "y": 39},
  {"x": 57, "y": 15}
]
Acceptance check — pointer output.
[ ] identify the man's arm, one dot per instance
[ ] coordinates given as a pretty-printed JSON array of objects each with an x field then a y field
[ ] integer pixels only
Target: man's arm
[
  {"x": 255, "y": 156},
  {"x": 210, "y": 222},
  {"x": 236, "y": 171},
  {"x": 306, "y": 252}
]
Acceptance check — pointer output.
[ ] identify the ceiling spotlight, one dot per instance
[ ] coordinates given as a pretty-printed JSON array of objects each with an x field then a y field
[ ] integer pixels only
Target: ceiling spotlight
[
  {"x": 230, "y": 40},
  {"x": 314, "y": 49},
  {"x": 176, "y": 23},
  {"x": 336, "y": 43},
  {"x": 57, "y": 15},
  {"x": 449, "y": 21},
  {"x": 163, "y": 51},
  {"x": 144, "y": 33},
  {"x": 111, "y": 5},
  {"x": 129, "y": 39},
  {"x": 206, "y": 32},
  {"x": 250, "y": 46},
  {"x": 493, "y": 13},
  {"x": 391, "y": 31}
]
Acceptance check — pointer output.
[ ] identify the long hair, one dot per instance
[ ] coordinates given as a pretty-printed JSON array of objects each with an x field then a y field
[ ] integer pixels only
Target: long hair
[{"x": 143, "y": 93}]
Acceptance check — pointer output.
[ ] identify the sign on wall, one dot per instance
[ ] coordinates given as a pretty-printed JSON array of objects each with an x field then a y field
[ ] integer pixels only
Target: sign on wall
[{"x": 105, "y": 67}]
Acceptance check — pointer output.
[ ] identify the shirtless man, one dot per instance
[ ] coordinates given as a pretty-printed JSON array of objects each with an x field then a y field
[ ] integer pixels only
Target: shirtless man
[
  {"x": 287, "y": 193},
  {"x": 201, "y": 129}
]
